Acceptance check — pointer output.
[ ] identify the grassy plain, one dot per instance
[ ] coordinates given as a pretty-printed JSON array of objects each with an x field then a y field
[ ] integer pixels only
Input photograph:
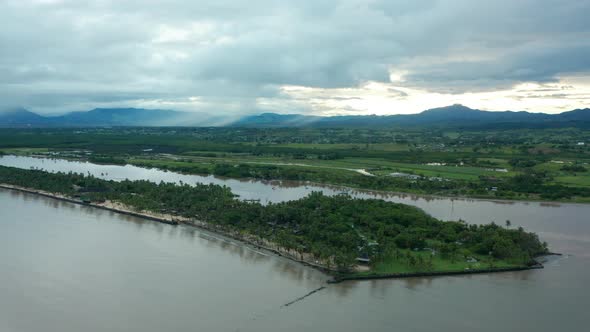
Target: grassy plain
[
  {"x": 392, "y": 265},
  {"x": 521, "y": 164}
]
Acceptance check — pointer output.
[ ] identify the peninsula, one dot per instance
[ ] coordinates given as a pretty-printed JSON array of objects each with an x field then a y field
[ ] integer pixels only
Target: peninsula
[{"x": 349, "y": 237}]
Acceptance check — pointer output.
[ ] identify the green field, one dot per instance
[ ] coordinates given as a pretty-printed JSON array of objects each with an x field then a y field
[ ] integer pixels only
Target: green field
[
  {"x": 344, "y": 146},
  {"x": 536, "y": 160},
  {"x": 393, "y": 265}
]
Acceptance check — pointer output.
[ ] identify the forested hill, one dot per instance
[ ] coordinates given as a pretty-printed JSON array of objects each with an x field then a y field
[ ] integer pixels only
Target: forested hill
[{"x": 455, "y": 116}]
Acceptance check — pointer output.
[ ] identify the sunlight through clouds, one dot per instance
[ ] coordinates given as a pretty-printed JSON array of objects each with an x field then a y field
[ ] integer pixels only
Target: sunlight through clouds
[
  {"x": 389, "y": 98},
  {"x": 308, "y": 56}
]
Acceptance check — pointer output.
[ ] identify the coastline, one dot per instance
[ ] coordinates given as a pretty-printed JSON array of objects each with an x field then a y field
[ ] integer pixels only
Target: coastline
[
  {"x": 259, "y": 243},
  {"x": 339, "y": 279},
  {"x": 174, "y": 220},
  {"x": 79, "y": 202}
]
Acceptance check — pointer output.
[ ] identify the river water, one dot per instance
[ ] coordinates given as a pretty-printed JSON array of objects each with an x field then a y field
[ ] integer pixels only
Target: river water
[{"x": 65, "y": 267}]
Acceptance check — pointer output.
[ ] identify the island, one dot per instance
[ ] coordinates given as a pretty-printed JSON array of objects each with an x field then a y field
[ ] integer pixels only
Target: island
[{"x": 347, "y": 237}]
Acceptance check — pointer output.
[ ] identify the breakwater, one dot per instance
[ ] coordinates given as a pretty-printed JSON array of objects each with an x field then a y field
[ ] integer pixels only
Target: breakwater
[{"x": 338, "y": 279}]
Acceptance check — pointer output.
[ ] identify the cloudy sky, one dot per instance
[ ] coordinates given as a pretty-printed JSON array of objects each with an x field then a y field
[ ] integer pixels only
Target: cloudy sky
[{"x": 307, "y": 56}]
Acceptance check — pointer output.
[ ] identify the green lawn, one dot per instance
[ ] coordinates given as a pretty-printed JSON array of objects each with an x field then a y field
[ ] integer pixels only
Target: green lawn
[
  {"x": 390, "y": 147},
  {"x": 167, "y": 164},
  {"x": 19, "y": 151},
  {"x": 580, "y": 180},
  {"x": 447, "y": 172},
  {"x": 502, "y": 163},
  {"x": 373, "y": 164},
  {"x": 439, "y": 264},
  {"x": 551, "y": 166}
]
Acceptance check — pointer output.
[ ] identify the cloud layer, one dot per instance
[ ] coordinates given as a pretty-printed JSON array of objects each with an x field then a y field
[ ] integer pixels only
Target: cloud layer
[{"x": 347, "y": 56}]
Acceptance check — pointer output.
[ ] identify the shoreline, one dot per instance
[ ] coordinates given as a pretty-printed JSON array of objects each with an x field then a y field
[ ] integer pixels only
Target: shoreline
[
  {"x": 259, "y": 243},
  {"x": 79, "y": 202},
  {"x": 343, "y": 187},
  {"x": 333, "y": 186},
  {"x": 173, "y": 220},
  {"x": 339, "y": 279}
]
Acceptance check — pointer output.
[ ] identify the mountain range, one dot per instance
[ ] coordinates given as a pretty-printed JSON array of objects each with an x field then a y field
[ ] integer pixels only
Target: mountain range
[
  {"x": 105, "y": 117},
  {"x": 454, "y": 115}
]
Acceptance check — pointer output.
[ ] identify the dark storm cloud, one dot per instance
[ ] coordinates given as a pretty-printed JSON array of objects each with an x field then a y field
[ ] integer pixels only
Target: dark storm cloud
[
  {"x": 68, "y": 54},
  {"x": 540, "y": 64}
]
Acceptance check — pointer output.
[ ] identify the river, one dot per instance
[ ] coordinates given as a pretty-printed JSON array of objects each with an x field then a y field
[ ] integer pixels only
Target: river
[{"x": 65, "y": 267}]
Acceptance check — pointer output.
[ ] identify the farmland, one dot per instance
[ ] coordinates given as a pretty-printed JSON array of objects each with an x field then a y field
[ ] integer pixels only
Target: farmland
[{"x": 543, "y": 164}]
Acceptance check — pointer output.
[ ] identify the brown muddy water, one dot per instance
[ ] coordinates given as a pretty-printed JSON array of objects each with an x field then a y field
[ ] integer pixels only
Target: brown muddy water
[{"x": 65, "y": 267}]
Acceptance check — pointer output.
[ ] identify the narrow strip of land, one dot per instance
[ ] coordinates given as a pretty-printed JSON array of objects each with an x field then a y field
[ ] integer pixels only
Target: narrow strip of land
[{"x": 347, "y": 237}]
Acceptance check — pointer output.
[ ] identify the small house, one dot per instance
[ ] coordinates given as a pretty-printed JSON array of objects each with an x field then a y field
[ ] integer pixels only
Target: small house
[{"x": 363, "y": 259}]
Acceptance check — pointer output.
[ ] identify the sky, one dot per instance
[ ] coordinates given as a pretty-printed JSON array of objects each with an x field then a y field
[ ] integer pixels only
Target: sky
[{"x": 323, "y": 57}]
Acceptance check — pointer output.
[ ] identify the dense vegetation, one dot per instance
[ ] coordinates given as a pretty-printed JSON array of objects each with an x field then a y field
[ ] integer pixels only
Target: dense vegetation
[
  {"x": 335, "y": 230},
  {"x": 546, "y": 164}
]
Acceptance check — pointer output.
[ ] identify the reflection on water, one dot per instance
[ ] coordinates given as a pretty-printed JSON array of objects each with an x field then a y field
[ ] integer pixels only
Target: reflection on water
[
  {"x": 203, "y": 238},
  {"x": 264, "y": 190}
]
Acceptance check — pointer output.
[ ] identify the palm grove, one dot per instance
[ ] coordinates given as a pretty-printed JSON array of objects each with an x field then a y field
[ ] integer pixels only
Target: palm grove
[{"x": 335, "y": 230}]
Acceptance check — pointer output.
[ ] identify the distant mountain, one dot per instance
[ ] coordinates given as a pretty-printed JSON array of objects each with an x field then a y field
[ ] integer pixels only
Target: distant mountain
[
  {"x": 116, "y": 117},
  {"x": 454, "y": 115},
  {"x": 577, "y": 115},
  {"x": 105, "y": 117},
  {"x": 274, "y": 120},
  {"x": 19, "y": 117}
]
